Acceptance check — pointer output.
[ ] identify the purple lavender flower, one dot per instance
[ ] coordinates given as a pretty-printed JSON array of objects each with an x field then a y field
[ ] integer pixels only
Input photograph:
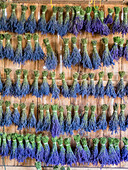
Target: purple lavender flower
[
  {"x": 116, "y": 22},
  {"x": 27, "y": 147},
  {"x": 20, "y": 26},
  {"x": 40, "y": 123},
  {"x": 61, "y": 151},
  {"x": 1, "y": 46},
  {"x": 75, "y": 88},
  {"x": 31, "y": 121},
  {"x": 94, "y": 152},
  {"x": 13, "y": 151},
  {"x": 121, "y": 48},
  {"x": 84, "y": 119},
  {"x": 20, "y": 149},
  {"x": 87, "y": 153},
  {"x": 9, "y": 142},
  {"x": 71, "y": 22},
  {"x": 3, "y": 19},
  {"x": 124, "y": 151},
  {"x": 109, "y": 19},
  {"x": 16, "y": 114},
  {"x": 33, "y": 146},
  {"x": 120, "y": 86},
  {"x": 122, "y": 120},
  {"x": 115, "y": 50},
  {"x": 91, "y": 86},
  {"x": 4, "y": 146},
  {"x": 84, "y": 86},
  {"x": 64, "y": 88},
  {"x": 116, "y": 147},
  {"x": 124, "y": 24},
  {"x": 76, "y": 119},
  {"x": 1, "y": 114},
  {"x": 7, "y": 114},
  {"x": 25, "y": 88},
  {"x": 1, "y": 85},
  {"x": 92, "y": 120},
  {"x": 23, "y": 117},
  {"x": 68, "y": 124},
  {"x": 30, "y": 24},
  {"x": 126, "y": 51},
  {"x": 88, "y": 20},
  {"x": 39, "y": 149},
  {"x": 61, "y": 119},
  {"x": 45, "y": 140},
  {"x": 47, "y": 119}
]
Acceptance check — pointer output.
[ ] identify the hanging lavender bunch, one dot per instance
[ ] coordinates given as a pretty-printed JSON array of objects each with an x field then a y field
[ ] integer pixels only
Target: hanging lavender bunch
[
  {"x": 115, "y": 50},
  {"x": 34, "y": 87},
  {"x": 61, "y": 119},
  {"x": 33, "y": 146},
  {"x": 122, "y": 119},
  {"x": 84, "y": 119},
  {"x": 7, "y": 114},
  {"x": 113, "y": 157},
  {"x": 86, "y": 61},
  {"x": 16, "y": 114},
  {"x": 68, "y": 124},
  {"x": 47, "y": 119},
  {"x": 19, "y": 52},
  {"x": 66, "y": 54},
  {"x": 55, "y": 125},
  {"x": 79, "y": 152},
  {"x": 116, "y": 147},
  {"x": 124, "y": 24},
  {"x": 75, "y": 88},
  {"x": 31, "y": 122},
  {"x": 109, "y": 19},
  {"x": 38, "y": 53},
  {"x": 1, "y": 114},
  {"x": 107, "y": 58},
  {"x": 69, "y": 155},
  {"x": 4, "y": 146},
  {"x": 99, "y": 88},
  {"x": 76, "y": 119},
  {"x": 44, "y": 88},
  {"x": 109, "y": 89},
  {"x": 25, "y": 88},
  {"x": 8, "y": 50},
  {"x": 51, "y": 59},
  {"x": 126, "y": 50},
  {"x": 27, "y": 146},
  {"x": 12, "y": 20},
  {"x": 16, "y": 91},
  {"x": 13, "y": 152},
  {"x": 102, "y": 122},
  {"x": 54, "y": 89},
  {"x": 28, "y": 51},
  {"x": 40, "y": 123},
  {"x": 23, "y": 117},
  {"x": 116, "y": 22},
  {"x": 9, "y": 142},
  {"x": 39, "y": 149},
  {"x": 124, "y": 151},
  {"x": 71, "y": 22},
  {"x": 96, "y": 24},
  {"x": 103, "y": 156},
  {"x": 64, "y": 88},
  {"x": 30, "y": 24},
  {"x": 20, "y": 26},
  {"x": 121, "y": 48},
  {"x": 1, "y": 85},
  {"x": 91, "y": 86},
  {"x": 78, "y": 20},
  {"x": 45, "y": 140},
  {"x": 42, "y": 25},
  {"x": 92, "y": 121},
  {"x": 75, "y": 55},
  {"x": 94, "y": 152},
  {"x": 104, "y": 28},
  {"x": 61, "y": 151},
  {"x": 88, "y": 20},
  {"x": 54, "y": 156},
  {"x": 96, "y": 60},
  {"x": 20, "y": 149},
  {"x": 120, "y": 86},
  {"x": 66, "y": 20},
  {"x": 1, "y": 46},
  {"x": 3, "y": 19},
  {"x": 84, "y": 86},
  {"x": 52, "y": 24},
  {"x": 114, "y": 122},
  {"x": 87, "y": 153}
]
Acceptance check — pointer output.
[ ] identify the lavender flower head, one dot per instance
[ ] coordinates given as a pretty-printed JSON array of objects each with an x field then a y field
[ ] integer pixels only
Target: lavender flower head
[
  {"x": 124, "y": 24},
  {"x": 12, "y": 20},
  {"x": 94, "y": 151},
  {"x": 84, "y": 86},
  {"x": 20, "y": 26},
  {"x": 4, "y": 146},
  {"x": 23, "y": 117},
  {"x": 86, "y": 61},
  {"x": 124, "y": 151},
  {"x": 114, "y": 122},
  {"x": 44, "y": 88},
  {"x": 39, "y": 149},
  {"x": 71, "y": 22},
  {"x": 51, "y": 59},
  {"x": 9, "y": 142},
  {"x": 3, "y": 19},
  {"x": 91, "y": 86},
  {"x": 45, "y": 140},
  {"x": 33, "y": 146},
  {"x": 92, "y": 126},
  {"x": 66, "y": 54},
  {"x": 25, "y": 85},
  {"x": 47, "y": 119},
  {"x": 7, "y": 114},
  {"x": 120, "y": 86},
  {"x": 126, "y": 50},
  {"x": 61, "y": 151},
  {"x": 115, "y": 50},
  {"x": 69, "y": 155},
  {"x": 109, "y": 88},
  {"x": 75, "y": 55},
  {"x": 54, "y": 155},
  {"x": 75, "y": 88},
  {"x": 7, "y": 89},
  {"x": 16, "y": 91},
  {"x": 76, "y": 119},
  {"x": 31, "y": 122},
  {"x": 1, "y": 46},
  {"x": 84, "y": 119},
  {"x": 42, "y": 25},
  {"x": 122, "y": 119},
  {"x": 30, "y": 24},
  {"x": 88, "y": 20},
  {"x": 96, "y": 60},
  {"x": 116, "y": 147},
  {"x": 34, "y": 88},
  {"x": 109, "y": 19},
  {"x": 102, "y": 122},
  {"x": 8, "y": 49},
  {"x": 68, "y": 121},
  {"x": 64, "y": 88},
  {"x": 39, "y": 126},
  {"x": 1, "y": 114},
  {"x": 107, "y": 58},
  {"x": 13, "y": 152},
  {"x": 66, "y": 20},
  {"x": 1, "y": 85},
  {"x": 116, "y": 22},
  {"x": 27, "y": 146},
  {"x": 121, "y": 48},
  {"x": 61, "y": 119},
  {"x": 16, "y": 114},
  {"x": 20, "y": 149}
]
